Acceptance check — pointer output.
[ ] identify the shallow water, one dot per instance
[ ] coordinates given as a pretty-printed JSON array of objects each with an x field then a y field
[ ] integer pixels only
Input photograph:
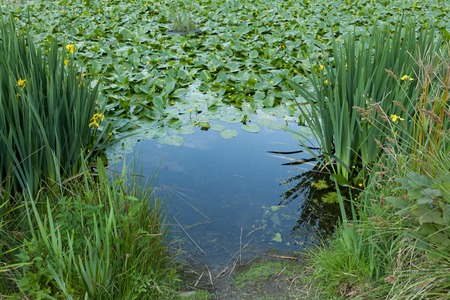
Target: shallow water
[{"x": 223, "y": 196}]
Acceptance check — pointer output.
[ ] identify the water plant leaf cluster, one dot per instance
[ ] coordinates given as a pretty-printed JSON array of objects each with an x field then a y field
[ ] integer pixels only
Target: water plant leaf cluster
[{"x": 241, "y": 60}]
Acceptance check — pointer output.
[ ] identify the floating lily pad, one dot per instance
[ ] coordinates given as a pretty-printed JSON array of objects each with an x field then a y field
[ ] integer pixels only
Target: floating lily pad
[
  {"x": 217, "y": 127},
  {"x": 174, "y": 140},
  {"x": 253, "y": 128},
  {"x": 228, "y": 134}
]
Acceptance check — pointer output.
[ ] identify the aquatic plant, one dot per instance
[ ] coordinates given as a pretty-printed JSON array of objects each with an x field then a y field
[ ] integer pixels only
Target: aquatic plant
[
  {"x": 46, "y": 106},
  {"x": 251, "y": 46},
  {"x": 398, "y": 246},
  {"x": 362, "y": 78}
]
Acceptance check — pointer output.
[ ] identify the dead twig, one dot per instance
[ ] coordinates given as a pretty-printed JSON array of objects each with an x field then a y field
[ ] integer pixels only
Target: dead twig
[
  {"x": 198, "y": 280},
  {"x": 210, "y": 276},
  {"x": 192, "y": 240},
  {"x": 275, "y": 256},
  {"x": 256, "y": 229}
]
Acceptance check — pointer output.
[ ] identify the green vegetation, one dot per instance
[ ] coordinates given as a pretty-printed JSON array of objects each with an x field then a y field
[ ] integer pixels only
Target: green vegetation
[
  {"x": 370, "y": 74},
  {"x": 396, "y": 244},
  {"x": 95, "y": 240},
  {"x": 66, "y": 230},
  {"x": 375, "y": 99},
  {"x": 264, "y": 271},
  {"x": 46, "y": 104},
  {"x": 99, "y": 241},
  {"x": 162, "y": 86}
]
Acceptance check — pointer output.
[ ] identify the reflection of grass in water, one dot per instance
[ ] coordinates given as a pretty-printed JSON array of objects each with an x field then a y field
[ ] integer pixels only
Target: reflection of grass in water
[{"x": 314, "y": 212}]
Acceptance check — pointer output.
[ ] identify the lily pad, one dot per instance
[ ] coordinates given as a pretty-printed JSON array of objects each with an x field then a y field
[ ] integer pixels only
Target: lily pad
[
  {"x": 253, "y": 128},
  {"x": 228, "y": 134},
  {"x": 217, "y": 127},
  {"x": 174, "y": 140}
]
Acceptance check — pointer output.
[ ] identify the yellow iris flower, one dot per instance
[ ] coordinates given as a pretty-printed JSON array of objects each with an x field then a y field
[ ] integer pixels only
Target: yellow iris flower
[
  {"x": 70, "y": 48},
  {"x": 396, "y": 118},
  {"x": 21, "y": 83},
  {"x": 406, "y": 77},
  {"x": 96, "y": 119}
]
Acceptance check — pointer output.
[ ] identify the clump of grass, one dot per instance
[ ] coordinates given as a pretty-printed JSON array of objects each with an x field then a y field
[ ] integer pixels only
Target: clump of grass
[
  {"x": 338, "y": 95},
  {"x": 183, "y": 23},
  {"x": 398, "y": 246},
  {"x": 49, "y": 112},
  {"x": 97, "y": 241}
]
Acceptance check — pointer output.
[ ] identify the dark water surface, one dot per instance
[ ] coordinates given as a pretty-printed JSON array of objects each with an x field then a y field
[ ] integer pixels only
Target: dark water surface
[{"x": 224, "y": 196}]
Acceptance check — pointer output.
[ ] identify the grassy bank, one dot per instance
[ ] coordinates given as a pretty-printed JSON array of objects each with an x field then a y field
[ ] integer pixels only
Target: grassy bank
[
  {"x": 395, "y": 245},
  {"x": 67, "y": 229}
]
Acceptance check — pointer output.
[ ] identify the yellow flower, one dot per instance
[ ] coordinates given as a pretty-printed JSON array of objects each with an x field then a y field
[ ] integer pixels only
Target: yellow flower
[
  {"x": 395, "y": 118},
  {"x": 406, "y": 77},
  {"x": 70, "y": 48},
  {"x": 66, "y": 62},
  {"x": 321, "y": 67},
  {"x": 21, "y": 83},
  {"x": 96, "y": 119}
]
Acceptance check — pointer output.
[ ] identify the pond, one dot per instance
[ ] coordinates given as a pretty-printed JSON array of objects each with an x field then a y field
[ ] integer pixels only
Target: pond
[{"x": 229, "y": 199}]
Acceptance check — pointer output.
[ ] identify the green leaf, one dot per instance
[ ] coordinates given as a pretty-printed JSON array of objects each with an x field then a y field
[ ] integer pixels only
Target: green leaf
[
  {"x": 426, "y": 214},
  {"x": 158, "y": 101},
  {"x": 331, "y": 197},
  {"x": 204, "y": 125},
  {"x": 253, "y": 54},
  {"x": 277, "y": 238},
  {"x": 180, "y": 92},
  {"x": 228, "y": 134},
  {"x": 398, "y": 202},
  {"x": 173, "y": 140},
  {"x": 253, "y": 128},
  {"x": 217, "y": 127},
  {"x": 320, "y": 184},
  {"x": 269, "y": 101},
  {"x": 446, "y": 214}
]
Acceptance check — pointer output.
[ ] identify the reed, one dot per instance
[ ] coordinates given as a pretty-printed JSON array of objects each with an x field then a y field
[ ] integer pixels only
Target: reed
[
  {"x": 341, "y": 99},
  {"x": 46, "y": 107}
]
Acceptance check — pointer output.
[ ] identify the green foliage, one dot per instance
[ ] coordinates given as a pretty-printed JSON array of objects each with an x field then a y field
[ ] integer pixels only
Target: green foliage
[
  {"x": 46, "y": 110},
  {"x": 246, "y": 51},
  {"x": 427, "y": 203},
  {"x": 361, "y": 79},
  {"x": 102, "y": 242},
  {"x": 184, "y": 24},
  {"x": 399, "y": 244}
]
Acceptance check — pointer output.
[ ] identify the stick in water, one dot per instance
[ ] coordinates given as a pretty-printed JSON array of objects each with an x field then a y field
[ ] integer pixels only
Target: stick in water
[{"x": 192, "y": 240}]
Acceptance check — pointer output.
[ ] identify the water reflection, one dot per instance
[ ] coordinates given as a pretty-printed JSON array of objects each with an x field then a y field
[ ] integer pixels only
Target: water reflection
[{"x": 224, "y": 195}]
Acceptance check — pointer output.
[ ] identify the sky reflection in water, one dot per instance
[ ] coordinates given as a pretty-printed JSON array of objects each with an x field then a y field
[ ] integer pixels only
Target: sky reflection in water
[{"x": 215, "y": 188}]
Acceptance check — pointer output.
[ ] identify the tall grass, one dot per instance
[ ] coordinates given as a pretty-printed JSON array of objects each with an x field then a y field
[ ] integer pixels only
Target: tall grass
[
  {"x": 360, "y": 76},
  {"x": 46, "y": 107},
  {"x": 99, "y": 241},
  {"x": 398, "y": 246}
]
